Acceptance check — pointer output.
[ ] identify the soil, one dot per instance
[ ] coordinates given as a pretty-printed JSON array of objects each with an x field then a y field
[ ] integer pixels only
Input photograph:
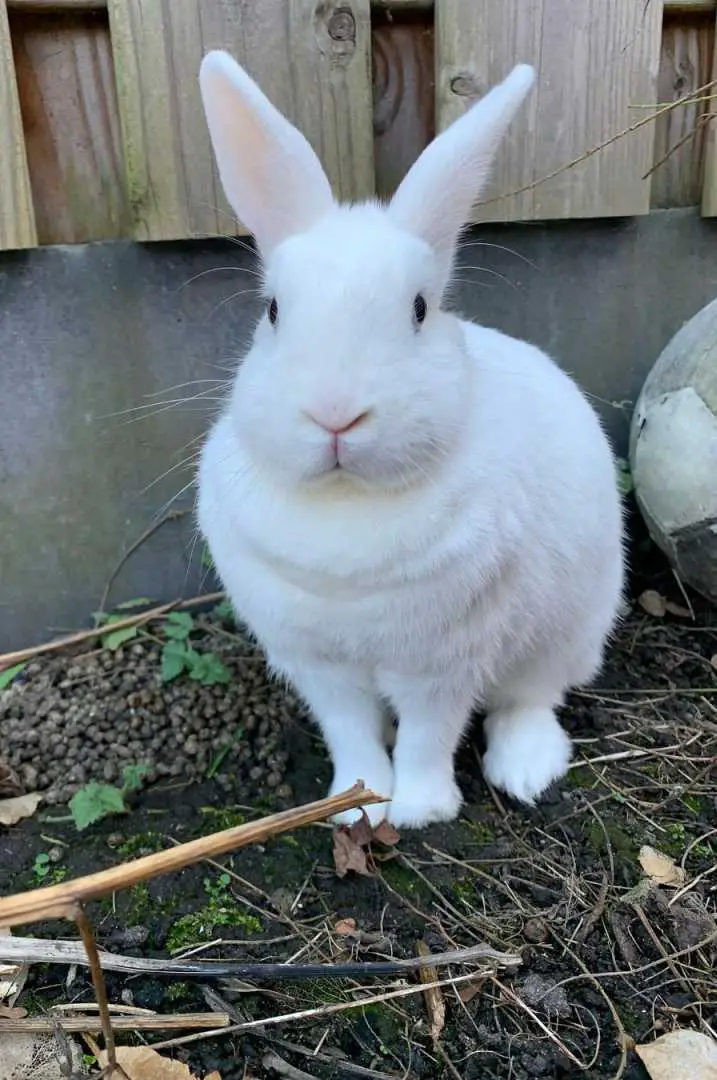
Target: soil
[{"x": 608, "y": 957}]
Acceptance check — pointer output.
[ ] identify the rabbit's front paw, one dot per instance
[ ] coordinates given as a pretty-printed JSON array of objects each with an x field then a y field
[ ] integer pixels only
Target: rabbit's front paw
[
  {"x": 527, "y": 751},
  {"x": 424, "y": 800},
  {"x": 377, "y": 776}
]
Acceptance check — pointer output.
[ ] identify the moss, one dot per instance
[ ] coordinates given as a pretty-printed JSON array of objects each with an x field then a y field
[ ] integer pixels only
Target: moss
[
  {"x": 223, "y": 817},
  {"x": 405, "y": 882},
  {"x": 579, "y": 777},
  {"x": 221, "y": 910},
  {"x": 464, "y": 889},
  {"x": 481, "y": 832},
  {"x": 142, "y": 844},
  {"x": 178, "y": 992},
  {"x": 621, "y": 843}
]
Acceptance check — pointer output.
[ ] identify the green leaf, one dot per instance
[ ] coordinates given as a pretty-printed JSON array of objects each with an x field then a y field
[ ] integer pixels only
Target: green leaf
[
  {"x": 174, "y": 660},
  {"x": 208, "y": 669},
  {"x": 133, "y": 776},
  {"x": 225, "y": 611},
  {"x": 95, "y": 801},
  {"x": 115, "y": 638},
  {"x": 7, "y": 676},
  {"x": 178, "y": 625},
  {"x": 127, "y": 605},
  {"x": 207, "y": 561}
]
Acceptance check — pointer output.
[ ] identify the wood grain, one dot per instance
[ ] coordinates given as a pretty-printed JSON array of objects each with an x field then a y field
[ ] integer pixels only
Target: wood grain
[
  {"x": 404, "y": 97},
  {"x": 17, "y": 219},
  {"x": 312, "y": 57},
  {"x": 709, "y": 188},
  {"x": 596, "y": 61},
  {"x": 685, "y": 65},
  {"x": 69, "y": 107}
]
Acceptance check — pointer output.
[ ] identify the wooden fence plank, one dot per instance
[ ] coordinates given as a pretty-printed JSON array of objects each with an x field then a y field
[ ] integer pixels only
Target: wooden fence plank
[
  {"x": 709, "y": 189},
  {"x": 312, "y": 59},
  {"x": 67, "y": 94},
  {"x": 597, "y": 61},
  {"x": 685, "y": 66},
  {"x": 17, "y": 217}
]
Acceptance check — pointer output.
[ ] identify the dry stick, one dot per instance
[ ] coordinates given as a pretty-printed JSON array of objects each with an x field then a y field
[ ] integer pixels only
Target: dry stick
[
  {"x": 320, "y": 1011},
  {"x": 171, "y": 515},
  {"x": 688, "y": 99},
  {"x": 20, "y": 655},
  {"x": 39, "y": 1025},
  {"x": 60, "y": 901},
  {"x": 512, "y": 996},
  {"x": 38, "y": 950},
  {"x": 98, "y": 981}
]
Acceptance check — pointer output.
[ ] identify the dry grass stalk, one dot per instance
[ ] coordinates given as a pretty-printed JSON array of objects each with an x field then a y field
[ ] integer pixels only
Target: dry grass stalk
[{"x": 38, "y": 1025}]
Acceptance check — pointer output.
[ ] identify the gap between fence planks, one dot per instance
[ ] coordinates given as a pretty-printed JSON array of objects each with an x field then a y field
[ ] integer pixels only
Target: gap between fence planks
[{"x": 63, "y": 901}]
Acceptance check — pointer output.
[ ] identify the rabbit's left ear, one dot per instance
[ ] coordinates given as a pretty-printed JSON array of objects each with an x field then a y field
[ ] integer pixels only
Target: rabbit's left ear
[
  {"x": 271, "y": 176},
  {"x": 434, "y": 199}
]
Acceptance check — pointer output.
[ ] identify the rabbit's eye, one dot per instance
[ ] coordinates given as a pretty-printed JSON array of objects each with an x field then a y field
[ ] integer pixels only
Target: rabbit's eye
[
  {"x": 420, "y": 308},
  {"x": 273, "y": 310}
]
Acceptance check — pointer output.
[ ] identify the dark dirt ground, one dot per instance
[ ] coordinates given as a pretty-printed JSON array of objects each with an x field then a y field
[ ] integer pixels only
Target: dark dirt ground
[{"x": 606, "y": 955}]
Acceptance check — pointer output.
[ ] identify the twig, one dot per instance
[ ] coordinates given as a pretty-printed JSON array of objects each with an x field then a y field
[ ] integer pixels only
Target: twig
[
  {"x": 60, "y": 901},
  {"x": 171, "y": 515},
  {"x": 319, "y": 1011},
  {"x": 41, "y": 951},
  {"x": 271, "y": 1060},
  {"x": 688, "y": 99},
  {"x": 512, "y": 996},
  {"x": 20, "y": 655},
  {"x": 98, "y": 981},
  {"x": 39, "y": 1024}
]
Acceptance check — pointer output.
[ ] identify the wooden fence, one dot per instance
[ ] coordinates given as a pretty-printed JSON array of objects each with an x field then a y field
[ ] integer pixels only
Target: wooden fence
[{"x": 102, "y": 134}]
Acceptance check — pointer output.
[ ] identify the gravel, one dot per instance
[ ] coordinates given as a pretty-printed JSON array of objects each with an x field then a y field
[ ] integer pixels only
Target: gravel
[{"x": 70, "y": 719}]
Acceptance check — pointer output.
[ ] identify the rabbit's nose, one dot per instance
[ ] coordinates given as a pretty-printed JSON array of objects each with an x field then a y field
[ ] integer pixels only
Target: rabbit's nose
[{"x": 335, "y": 426}]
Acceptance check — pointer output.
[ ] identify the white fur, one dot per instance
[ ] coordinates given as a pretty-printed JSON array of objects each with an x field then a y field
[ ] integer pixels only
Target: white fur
[{"x": 469, "y": 549}]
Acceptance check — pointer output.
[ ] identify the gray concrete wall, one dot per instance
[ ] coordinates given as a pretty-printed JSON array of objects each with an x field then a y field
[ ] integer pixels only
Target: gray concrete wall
[{"x": 90, "y": 332}]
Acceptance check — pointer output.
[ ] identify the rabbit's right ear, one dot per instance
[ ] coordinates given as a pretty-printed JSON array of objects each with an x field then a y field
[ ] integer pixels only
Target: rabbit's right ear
[{"x": 271, "y": 176}]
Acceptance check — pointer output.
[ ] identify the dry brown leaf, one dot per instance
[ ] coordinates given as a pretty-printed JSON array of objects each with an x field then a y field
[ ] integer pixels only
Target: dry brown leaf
[
  {"x": 348, "y": 855},
  {"x": 22, "y": 806},
  {"x": 679, "y": 610},
  {"x": 386, "y": 834},
  {"x": 144, "y": 1063},
  {"x": 361, "y": 831},
  {"x": 469, "y": 991},
  {"x": 680, "y": 1055},
  {"x": 433, "y": 995},
  {"x": 661, "y": 868},
  {"x": 344, "y": 927},
  {"x": 653, "y": 603},
  {"x": 8, "y": 1013},
  {"x": 213, "y": 1076}
]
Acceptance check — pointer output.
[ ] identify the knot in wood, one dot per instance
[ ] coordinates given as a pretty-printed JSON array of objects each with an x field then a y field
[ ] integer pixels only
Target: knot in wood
[
  {"x": 342, "y": 26},
  {"x": 465, "y": 86}
]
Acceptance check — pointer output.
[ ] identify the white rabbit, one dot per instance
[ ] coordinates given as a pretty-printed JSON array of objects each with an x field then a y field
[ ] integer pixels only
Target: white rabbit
[{"x": 405, "y": 508}]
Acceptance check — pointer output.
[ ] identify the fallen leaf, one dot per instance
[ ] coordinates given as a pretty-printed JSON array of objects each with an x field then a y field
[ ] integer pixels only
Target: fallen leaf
[
  {"x": 12, "y": 1013},
  {"x": 144, "y": 1063},
  {"x": 348, "y": 855},
  {"x": 361, "y": 831},
  {"x": 22, "y": 806},
  {"x": 661, "y": 868},
  {"x": 344, "y": 927},
  {"x": 433, "y": 995},
  {"x": 469, "y": 991},
  {"x": 653, "y": 603},
  {"x": 713, "y": 661},
  {"x": 213, "y": 1076},
  {"x": 679, "y": 610},
  {"x": 10, "y": 785},
  {"x": 680, "y": 1054},
  {"x": 386, "y": 834}
]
